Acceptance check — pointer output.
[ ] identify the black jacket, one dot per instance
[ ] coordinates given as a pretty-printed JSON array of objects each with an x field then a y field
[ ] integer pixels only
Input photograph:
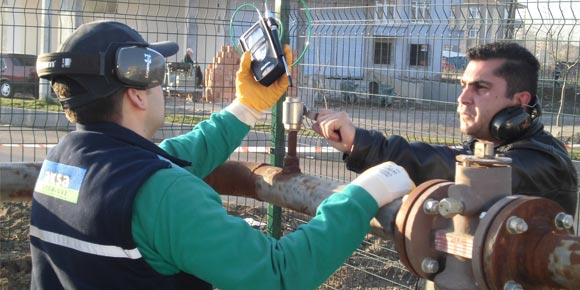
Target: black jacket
[{"x": 541, "y": 164}]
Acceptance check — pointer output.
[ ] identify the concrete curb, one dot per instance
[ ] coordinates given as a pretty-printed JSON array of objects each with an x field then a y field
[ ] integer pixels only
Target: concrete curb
[{"x": 34, "y": 118}]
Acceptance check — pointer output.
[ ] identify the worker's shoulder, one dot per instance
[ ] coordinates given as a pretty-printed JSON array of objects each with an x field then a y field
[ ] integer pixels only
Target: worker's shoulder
[
  {"x": 171, "y": 181},
  {"x": 172, "y": 174}
]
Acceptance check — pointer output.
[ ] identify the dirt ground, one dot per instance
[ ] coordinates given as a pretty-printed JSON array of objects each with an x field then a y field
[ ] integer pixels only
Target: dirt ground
[
  {"x": 374, "y": 266},
  {"x": 15, "y": 262}
]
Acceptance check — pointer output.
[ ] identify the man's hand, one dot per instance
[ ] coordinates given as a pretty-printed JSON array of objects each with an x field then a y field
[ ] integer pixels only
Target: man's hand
[
  {"x": 253, "y": 94},
  {"x": 385, "y": 182},
  {"x": 337, "y": 128}
]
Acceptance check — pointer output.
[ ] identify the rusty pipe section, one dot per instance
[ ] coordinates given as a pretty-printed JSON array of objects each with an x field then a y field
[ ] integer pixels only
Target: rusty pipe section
[
  {"x": 527, "y": 241},
  {"x": 259, "y": 181},
  {"x": 17, "y": 180},
  {"x": 559, "y": 263},
  {"x": 295, "y": 191},
  {"x": 291, "y": 161},
  {"x": 263, "y": 182},
  {"x": 298, "y": 192}
]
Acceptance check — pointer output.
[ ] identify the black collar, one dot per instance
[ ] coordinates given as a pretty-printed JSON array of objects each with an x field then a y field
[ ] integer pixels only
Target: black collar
[{"x": 128, "y": 136}]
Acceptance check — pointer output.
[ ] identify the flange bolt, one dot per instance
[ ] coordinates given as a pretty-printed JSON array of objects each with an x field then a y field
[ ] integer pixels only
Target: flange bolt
[
  {"x": 512, "y": 285},
  {"x": 430, "y": 265},
  {"x": 449, "y": 207},
  {"x": 516, "y": 225},
  {"x": 564, "y": 221},
  {"x": 431, "y": 207}
]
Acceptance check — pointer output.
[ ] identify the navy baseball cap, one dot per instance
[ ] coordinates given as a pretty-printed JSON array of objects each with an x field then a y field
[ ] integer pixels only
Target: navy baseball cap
[{"x": 90, "y": 57}]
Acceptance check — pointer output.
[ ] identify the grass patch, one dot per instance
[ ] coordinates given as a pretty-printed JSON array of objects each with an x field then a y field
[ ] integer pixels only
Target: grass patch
[
  {"x": 54, "y": 105},
  {"x": 434, "y": 141},
  {"x": 45, "y": 105},
  {"x": 261, "y": 127},
  {"x": 183, "y": 119}
]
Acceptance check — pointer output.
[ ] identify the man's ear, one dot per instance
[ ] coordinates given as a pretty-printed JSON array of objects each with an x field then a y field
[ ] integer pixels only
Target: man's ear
[
  {"x": 137, "y": 98},
  {"x": 522, "y": 98}
]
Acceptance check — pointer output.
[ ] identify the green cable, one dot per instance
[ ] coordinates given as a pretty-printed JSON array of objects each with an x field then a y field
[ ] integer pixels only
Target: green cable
[
  {"x": 307, "y": 44},
  {"x": 232, "y": 24}
]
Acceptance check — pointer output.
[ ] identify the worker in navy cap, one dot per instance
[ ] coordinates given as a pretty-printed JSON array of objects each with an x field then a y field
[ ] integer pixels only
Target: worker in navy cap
[{"x": 113, "y": 210}]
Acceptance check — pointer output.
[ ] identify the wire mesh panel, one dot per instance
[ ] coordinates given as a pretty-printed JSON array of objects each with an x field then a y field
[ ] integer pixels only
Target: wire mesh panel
[{"x": 392, "y": 65}]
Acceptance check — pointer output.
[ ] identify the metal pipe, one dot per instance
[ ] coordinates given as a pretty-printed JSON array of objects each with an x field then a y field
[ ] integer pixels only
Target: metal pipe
[
  {"x": 291, "y": 161},
  {"x": 295, "y": 191},
  {"x": 17, "y": 180},
  {"x": 480, "y": 180},
  {"x": 558, "y": 262},
  {"x": 544, "y": 255},
  {"x": 263, "y": 182}
]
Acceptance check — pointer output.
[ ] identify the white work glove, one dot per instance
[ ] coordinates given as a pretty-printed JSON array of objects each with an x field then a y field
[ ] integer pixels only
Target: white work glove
[{"x": 385, "y": 182}]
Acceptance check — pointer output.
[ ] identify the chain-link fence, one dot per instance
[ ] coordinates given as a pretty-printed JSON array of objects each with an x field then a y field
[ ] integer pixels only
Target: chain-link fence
[{"x": 392, "y": 65}]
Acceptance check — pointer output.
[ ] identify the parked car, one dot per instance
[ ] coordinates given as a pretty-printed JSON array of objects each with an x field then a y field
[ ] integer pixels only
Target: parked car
[{"x": 18, "y": 74}]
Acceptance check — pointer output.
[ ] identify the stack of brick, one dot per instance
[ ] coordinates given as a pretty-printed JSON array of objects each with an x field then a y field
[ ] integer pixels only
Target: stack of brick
[{"x": 220, "y": 76}]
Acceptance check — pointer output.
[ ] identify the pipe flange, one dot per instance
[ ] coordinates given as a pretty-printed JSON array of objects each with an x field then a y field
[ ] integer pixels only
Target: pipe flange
[
  {"x": 499, "y": 255},
  {"x": 479, "y": 238},
  {"x": 414, "y": 228}
]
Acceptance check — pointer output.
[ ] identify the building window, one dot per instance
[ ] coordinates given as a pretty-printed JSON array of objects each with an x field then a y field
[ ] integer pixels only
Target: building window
[
  {"x": 506, "y": 13},
  {"x": 474, "y": 13},
  {"x": 385, "y": 10},
  {"x": 383, "y": 49},
  {"x": 420, "y": 10},
  {"x": 419, "y": 55},
  {"x": 472, "y": 33},
  {"x": 448, "y": 47},
  {"x": 100, "y": 6}
]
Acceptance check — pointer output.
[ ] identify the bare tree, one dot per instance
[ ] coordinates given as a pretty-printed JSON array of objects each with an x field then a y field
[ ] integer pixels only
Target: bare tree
[
  {"x": 557, "y": 45},
  {"x": 566, "y": 58},
  {"x": 511, "y": 7}
]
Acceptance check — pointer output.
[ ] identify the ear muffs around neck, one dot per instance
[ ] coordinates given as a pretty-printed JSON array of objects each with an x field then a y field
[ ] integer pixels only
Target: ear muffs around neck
[{"x": 510, "y": 123}]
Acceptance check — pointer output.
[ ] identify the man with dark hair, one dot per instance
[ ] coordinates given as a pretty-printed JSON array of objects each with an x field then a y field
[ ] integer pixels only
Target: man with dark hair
[
  {"x": 498, "y": 104},
  {"x": 112, "y": 210}
]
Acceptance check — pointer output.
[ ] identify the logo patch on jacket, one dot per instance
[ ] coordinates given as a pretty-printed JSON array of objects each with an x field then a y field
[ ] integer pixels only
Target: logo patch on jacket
[{"x": 60, "y": 181}]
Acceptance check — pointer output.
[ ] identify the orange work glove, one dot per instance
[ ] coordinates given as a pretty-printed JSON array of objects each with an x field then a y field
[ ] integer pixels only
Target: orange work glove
[{"x": 253, "y": 94}]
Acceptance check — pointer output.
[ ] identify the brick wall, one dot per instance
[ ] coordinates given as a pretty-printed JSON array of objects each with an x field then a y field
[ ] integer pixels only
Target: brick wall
[{"x": 220, "y": 76}]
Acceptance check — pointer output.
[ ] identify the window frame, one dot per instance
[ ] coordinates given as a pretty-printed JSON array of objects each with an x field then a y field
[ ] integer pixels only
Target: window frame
[
  {"x": 378, "y": 52},
  {"x": 420, "y": 11},
  {"x": 418, "y": 56},
  {"x": 385, "y": 10},
  {"x": 474, "y": 13},
  {"x": 473, "y": 33}
]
